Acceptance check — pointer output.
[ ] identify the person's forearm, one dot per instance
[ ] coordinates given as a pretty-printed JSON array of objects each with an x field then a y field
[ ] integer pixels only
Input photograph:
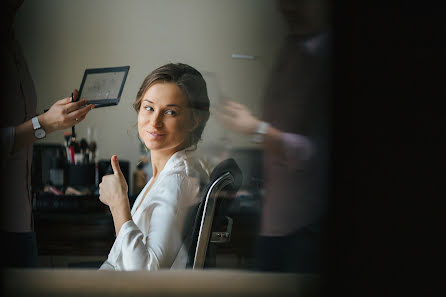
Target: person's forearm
[
  {"x": 24, "y": 134},
  {"x": 273, "y": 141},
  {"x": 121, "y": 214},
  {"x": 62, "y": 115},
  {"x": 290, "y": 147}
]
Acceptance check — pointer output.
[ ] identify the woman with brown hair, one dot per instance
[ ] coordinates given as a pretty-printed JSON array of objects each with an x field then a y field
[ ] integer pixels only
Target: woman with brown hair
[{"x": 173, "y": 108}]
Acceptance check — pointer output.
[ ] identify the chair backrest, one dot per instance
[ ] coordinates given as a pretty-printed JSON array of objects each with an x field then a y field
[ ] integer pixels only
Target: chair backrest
[{"x": 226, "y": 175}]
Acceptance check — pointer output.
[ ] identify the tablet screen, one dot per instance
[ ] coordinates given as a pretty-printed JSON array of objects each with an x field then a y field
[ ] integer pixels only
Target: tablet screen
[{"x": 103, "y": 86}]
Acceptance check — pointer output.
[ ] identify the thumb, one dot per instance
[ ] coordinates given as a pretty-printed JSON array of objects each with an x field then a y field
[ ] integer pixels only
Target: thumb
[
  {"x": 75, "y": 94},
  {"x": 115, "y": 165}
]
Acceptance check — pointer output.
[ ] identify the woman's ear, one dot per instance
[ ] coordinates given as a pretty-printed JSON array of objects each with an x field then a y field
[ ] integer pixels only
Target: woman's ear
[{"x": 195, "y": 122}]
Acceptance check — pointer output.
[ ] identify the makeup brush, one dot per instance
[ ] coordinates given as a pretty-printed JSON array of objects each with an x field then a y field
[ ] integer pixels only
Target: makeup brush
[
  {"x": 73, "y": 134},
  {"x": 68, "y": 146},
  {"x": 67, "y": 136},
  {"x": 92, "y": 148}
]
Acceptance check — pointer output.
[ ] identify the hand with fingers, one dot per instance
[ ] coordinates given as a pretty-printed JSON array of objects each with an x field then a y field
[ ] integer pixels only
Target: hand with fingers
[
  {"x": 113, "y": 192},
  {"x": 113, "y": 188},
  {"x": 64, "y": 114},
  {"x": 236, "y": 117}
]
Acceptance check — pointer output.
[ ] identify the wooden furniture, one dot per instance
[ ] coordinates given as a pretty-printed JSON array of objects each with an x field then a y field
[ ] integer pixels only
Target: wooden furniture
[
  {"x": 74, "y": 234},
  {"x": 72, "y": 231}
]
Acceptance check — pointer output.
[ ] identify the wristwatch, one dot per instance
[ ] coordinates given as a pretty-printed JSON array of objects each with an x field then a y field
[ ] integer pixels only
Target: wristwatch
[
  {"x": 260, "y": 132},
  {"x": 39, "y": 132}
]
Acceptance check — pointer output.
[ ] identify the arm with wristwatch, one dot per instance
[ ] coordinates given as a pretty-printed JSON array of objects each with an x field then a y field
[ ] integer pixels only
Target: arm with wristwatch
[
  {"x": 62, "y": 115},
  {"x": 290, "y": 147}
]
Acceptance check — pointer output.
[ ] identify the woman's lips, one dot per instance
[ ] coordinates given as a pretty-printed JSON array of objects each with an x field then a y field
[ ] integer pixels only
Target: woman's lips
[{"x": 155, "y": 135}]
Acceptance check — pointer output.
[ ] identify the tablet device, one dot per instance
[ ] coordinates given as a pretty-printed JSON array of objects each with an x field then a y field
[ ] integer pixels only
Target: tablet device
[{"x": 103, "y": 86}]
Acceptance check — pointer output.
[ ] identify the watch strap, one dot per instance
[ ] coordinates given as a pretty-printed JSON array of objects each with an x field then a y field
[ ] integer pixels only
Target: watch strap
[
  {"x": 262, "y": 128},
  {"x": 259, "y": 134},
  {"x": 35, "y": 122}
]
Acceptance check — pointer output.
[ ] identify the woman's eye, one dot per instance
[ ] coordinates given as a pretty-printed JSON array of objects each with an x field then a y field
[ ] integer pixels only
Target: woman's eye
[
  {"x": 148, "y": 108},
  {"x": 171, "y": 112}
]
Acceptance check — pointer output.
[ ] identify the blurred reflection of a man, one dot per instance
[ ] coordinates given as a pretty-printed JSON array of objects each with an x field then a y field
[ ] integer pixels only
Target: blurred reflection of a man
[{"x": 294, "y": 136}]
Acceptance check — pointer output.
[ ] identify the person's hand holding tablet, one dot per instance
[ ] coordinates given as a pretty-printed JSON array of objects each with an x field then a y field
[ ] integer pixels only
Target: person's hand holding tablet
[{"x": 64, "y": 113}]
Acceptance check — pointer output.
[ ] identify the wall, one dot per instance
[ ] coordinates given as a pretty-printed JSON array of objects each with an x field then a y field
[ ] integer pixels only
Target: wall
[{"x": 61, "y": 38}]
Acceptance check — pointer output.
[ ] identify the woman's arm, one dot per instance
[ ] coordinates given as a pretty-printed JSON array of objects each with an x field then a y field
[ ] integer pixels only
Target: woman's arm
[
  {"x": 158, "y": 238},
  {"x": 113, "y": 192}
]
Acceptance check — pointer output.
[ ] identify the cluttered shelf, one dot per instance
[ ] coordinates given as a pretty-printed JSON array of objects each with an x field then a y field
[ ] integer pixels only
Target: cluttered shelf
[{"x": 72, "y": 225}]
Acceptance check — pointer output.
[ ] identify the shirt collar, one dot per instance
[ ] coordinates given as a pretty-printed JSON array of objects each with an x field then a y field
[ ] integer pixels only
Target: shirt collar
[{"x": 177, "y": 158}]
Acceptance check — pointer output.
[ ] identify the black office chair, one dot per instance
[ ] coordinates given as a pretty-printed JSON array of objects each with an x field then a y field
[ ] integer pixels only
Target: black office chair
[{"x": 202, "y": 252}]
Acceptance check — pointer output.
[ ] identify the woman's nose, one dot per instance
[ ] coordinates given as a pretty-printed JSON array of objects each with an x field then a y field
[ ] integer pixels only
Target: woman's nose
[{"x": 157, "y": 120}]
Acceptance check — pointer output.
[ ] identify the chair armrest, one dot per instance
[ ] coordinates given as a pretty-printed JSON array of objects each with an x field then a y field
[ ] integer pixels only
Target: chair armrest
[{"x": 223, "y": 236}]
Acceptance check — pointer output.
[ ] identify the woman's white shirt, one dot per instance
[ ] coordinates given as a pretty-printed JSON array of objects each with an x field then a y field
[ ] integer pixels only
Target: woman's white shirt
[{"x": 156, "y": 237}]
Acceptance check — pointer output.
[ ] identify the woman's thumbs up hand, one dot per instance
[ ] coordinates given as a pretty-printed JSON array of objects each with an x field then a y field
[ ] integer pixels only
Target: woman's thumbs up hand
[{"x": 113, "y": 189}]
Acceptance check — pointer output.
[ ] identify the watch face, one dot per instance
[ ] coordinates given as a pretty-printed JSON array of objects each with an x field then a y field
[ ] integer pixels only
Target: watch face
[
  {"x": 257, "y": 138},
  {"x": 40, "y": 133}
]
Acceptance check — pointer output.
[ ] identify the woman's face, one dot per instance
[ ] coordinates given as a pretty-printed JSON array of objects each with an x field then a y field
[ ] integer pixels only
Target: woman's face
[{"x": 164, "y": 118}]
